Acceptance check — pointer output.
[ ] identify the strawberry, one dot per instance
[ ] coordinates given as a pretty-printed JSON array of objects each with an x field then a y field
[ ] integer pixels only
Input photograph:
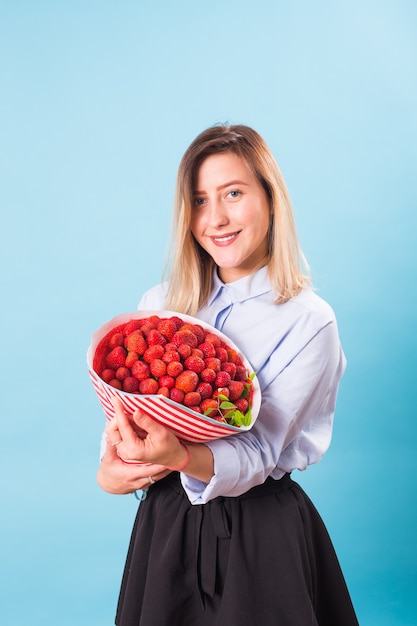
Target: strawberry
[
  {"x": 153, "y": 352},
  {"x": 222, "y": 379},
  {"x": 140, "y": 370},
  {"x": 214, "y": 339},
  {"x": 185, "y": 335},
  {"x": 131, "y": 358},
  {"x": 116, "y": 384},
  {"x": 205, "y": 390},
  {"x": 116, "y": 340},
  {"x": 116, "y": 357},
  {"x": 184, "y": 350},
  {"x": 192, "y": 398},
  {"x": 196, "y": 329},
  {"x": 221, "y": 354},
  {"x": 241, "y": 372},
  {"x": 131, "y": 384},
  {"x": 187, "y": 381},
  {"x": 236, "y": 389},
  {"x": 107, "y": 375},
  {"x": 170, "y": 355},
  {"x": 242, "y": 405},
  {"x": 221, "y": 391},
  {"x": 122, "y": 372},
  {"x": 167, "y": 328},
  {"x": 194, "y": 363},
  {"x": 158, "y": 368},
  {"x": 167, "y": 381},
  {"x": 153, "y": 337},
  {"x": 210, "y": 407},
  {"x": 208, "y": 375},
  {"x": 131, "y": 326},
  {"x": 230, "y": 368},
  {"x": 177, "y": 395},
  {"x": 207, "y": 349},
  {"x": 174, "y": 368},
  {"x": 213, "y": 363},
  {"x": 135, "y": 342},
  {"x": 197, "y": 352},
  {"x": 163, "y": 391},
  {"x": 148, "y": 386}
]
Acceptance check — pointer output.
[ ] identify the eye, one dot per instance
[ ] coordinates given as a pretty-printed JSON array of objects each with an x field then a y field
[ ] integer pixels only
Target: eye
[
  {"x": 198, "y": 201},
  {"x": 235, "y": 193}
]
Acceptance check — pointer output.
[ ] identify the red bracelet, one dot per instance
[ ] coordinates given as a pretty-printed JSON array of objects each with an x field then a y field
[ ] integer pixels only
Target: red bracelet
[{"x": 187, "y": 460}]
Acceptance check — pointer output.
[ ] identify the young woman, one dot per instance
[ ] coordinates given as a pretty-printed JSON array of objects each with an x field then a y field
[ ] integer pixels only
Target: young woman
[{"x": 225, "y": 536}]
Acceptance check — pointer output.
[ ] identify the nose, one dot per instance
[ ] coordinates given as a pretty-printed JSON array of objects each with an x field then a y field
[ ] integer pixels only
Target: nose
[{"x": 217, "y": 214}]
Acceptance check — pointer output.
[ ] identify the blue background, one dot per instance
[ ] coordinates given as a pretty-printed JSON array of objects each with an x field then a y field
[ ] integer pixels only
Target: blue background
[{"x": 98, "y": 102}]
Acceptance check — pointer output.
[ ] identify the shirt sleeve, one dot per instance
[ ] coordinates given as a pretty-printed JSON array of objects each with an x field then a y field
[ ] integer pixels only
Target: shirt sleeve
[{"x": 294, "y": 425}]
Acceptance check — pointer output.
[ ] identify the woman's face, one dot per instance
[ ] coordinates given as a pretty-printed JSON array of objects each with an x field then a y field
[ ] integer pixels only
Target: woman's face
[{"x": 231, "y": 214}]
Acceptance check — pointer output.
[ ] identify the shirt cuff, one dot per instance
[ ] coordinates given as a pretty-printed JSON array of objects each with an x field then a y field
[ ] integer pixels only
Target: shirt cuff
[{"x": 226, "y": 474}]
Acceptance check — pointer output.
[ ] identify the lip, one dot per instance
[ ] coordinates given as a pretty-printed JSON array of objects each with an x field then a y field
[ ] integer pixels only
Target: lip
[{"x": 224, "y": 240}]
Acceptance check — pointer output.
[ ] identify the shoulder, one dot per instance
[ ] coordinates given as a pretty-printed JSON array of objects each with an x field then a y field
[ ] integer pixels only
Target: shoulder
[
  {"x": 154, "y": 298},
  {"x": 307, "y": 304}
]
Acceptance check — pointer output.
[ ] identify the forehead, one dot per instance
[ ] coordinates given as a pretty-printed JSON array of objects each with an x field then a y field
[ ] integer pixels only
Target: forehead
[{"x": 219, "y": 168}]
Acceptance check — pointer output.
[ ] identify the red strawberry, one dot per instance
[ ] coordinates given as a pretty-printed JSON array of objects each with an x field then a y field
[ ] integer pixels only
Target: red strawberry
[
  {"x": 197, "y": 352},
  {"x": 116, "y": 358},
  {"x": 214, "y": 339},
  {"x": 213, "y": 363},
  {"x": 236, "y": 388},
  {"x": 222, "y": 379},
  {"x": 167, "y": 381},
  {"x": 187, "y": 381},
  {"x": 205, "y": 390},
  {"x": 207, "y": 349},
  {"x": 167, "y": 328},
  {"x": 116, "y": 340},
  {"x": 192, "y": 398},
  {"x": 135, "y": 342},
  {"x": 116, "y": 384},
  {"x": 148, "y": 386},
  {"x": 163, "y": 391},
  {"x": 107, "y": 375},
  {"x": 153, "y": 337},
  {"x": 233, "y": 356},
  {"x": 177, "y": 395},
  {"x": 241, "y": 372},
  {"x": 242, "y": 404},
  {"x": 158, "y": 368},
  {"x": 185, "y": 335},
  {"x": 131, "y": 358},
  {"x": 131, "y": 326},
  {"x": 221, "y": 354},
  {"x": 184, "y": 350},
  {"x": 140, "y": 370},
  {"x": 194, "y": 363},
  {"x": 230, "y": 368},
  {"x": 171, "y": 355},
  {"x": 210, "y": 407},
  {"x": 174, "y": 368},
  {"x": 208, "y": 375},
  {"x": 131, "y": 384},
  {"x": 221, "y": 391},
  {"x": 122, "y": 373},
  {"x": 196, "y": 329},
  {"x": 153, "y": 352}
]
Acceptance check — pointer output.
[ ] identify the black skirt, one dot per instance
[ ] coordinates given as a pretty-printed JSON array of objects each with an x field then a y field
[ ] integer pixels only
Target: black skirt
[{"x": 262, "y": 558}]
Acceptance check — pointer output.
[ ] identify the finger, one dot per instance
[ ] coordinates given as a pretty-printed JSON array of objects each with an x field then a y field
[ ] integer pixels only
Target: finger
[{"x": 121, "y": 419}]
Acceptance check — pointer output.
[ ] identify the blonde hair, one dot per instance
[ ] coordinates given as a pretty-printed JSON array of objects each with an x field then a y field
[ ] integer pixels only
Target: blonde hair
[{"x": 190, "y": 267}]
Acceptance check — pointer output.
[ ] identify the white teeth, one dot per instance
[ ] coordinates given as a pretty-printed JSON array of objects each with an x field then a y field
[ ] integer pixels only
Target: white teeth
[{"x": 224, "y": 238}]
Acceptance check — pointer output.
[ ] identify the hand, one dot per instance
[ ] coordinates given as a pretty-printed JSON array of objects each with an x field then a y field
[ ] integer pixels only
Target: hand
[{"x": 139, "y": 438}]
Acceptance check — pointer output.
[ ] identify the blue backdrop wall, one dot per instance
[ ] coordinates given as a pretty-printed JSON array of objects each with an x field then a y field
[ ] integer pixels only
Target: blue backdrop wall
[{"x": 99, "y": 99}]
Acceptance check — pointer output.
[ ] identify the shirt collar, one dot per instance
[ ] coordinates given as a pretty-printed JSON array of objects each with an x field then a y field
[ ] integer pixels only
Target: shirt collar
[{"x": 242, "y": 289}]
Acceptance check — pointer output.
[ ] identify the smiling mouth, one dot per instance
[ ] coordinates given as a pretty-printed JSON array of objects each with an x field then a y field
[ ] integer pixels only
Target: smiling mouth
[{"x": 225, "y": 238}]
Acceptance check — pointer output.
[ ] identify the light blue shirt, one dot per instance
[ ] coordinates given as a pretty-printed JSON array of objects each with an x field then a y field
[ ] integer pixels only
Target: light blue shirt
[{"x": 294, "y": 349}]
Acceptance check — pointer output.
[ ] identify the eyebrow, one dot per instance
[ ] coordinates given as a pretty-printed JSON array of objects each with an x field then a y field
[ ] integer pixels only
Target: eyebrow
[{"x": 224, "y": 185}]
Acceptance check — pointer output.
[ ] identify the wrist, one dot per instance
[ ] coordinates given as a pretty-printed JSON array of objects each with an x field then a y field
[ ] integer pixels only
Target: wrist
[{"x": 186, "y": 460}]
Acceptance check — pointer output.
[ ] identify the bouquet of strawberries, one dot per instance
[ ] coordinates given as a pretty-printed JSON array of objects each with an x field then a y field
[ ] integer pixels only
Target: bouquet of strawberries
[{"x": 176, "y": 368}]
